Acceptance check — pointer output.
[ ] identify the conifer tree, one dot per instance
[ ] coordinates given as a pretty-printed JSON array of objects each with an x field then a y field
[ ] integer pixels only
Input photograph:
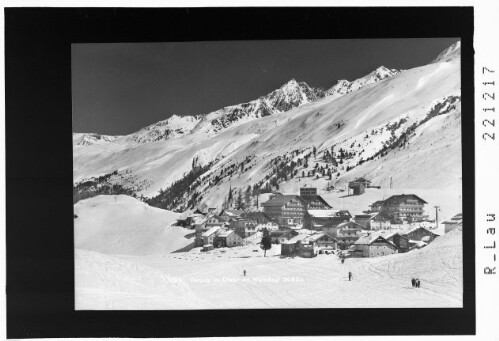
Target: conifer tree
[{"x": 266, "y": 241}]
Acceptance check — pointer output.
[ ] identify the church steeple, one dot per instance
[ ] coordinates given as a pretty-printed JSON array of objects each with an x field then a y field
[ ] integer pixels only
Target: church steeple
[{"x": 229, "y": 201}]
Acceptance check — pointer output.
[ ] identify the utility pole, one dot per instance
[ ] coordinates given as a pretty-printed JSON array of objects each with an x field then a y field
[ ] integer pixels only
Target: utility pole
[{"x": 436, "y": 215}]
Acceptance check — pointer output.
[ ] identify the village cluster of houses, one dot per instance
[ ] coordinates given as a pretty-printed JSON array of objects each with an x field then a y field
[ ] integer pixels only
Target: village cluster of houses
[
  {"x": 306, "y": 224},
  {"x": 227, "y": 229}
]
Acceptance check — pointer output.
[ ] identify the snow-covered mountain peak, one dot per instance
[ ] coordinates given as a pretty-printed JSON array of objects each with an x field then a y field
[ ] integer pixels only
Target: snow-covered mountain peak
[
  {"x": 343, "y": 86},
  {"x": 449, "y": 54},
  {"x": 291, "y": 84},
  {"x": 87, "y": 139}
]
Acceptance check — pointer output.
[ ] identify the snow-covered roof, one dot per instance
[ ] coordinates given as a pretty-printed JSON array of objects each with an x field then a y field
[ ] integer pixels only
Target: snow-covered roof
[
  {"x": 233, "y": 213},
  {"x": 347, "y": 223},
  {"x": 419, "y": 243},
  {"x": 211, "y": 231},
  {"x": 367, "y": 240},
  {"x": 295, "y": 239},
  {"x": 281, "y": 200},
  {"x": 313, "y": 237},
  {"x": 402, "y": 198},
  {"x": 225, "y": 234},
  {"x": 323, "y": 213}
]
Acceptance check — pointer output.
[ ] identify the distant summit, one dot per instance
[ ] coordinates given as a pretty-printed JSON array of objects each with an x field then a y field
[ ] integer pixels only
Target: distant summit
[
  {"x": 86, "y": 139},
  {"x": 343, "y": 86},
  {"x": 449, "y": 54}
]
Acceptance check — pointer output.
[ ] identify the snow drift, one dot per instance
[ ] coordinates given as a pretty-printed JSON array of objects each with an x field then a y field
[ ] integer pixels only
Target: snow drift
[{"x": 124, "y": 225}]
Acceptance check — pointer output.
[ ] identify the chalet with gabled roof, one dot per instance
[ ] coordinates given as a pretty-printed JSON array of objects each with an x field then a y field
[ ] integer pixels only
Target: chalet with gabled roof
[
  {"x": 346, "y": 233},
  {"x": 373, "y": 245},
  {"x": 215, "y": 220},
  {"x": 228, "y": 239}
]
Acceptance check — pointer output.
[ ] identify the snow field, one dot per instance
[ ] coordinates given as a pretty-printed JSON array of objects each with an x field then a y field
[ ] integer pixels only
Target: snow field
[
  {"x": 215, "y": 279},
  {"x": 118, "y": 224}
]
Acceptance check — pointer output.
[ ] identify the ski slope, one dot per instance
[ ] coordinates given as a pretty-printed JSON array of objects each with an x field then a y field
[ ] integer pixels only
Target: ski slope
[{"x": 214, "y": 280}]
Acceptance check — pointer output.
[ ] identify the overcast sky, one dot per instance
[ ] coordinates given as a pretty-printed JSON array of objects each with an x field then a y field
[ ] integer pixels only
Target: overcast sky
[{"x": 120, "y": 88}]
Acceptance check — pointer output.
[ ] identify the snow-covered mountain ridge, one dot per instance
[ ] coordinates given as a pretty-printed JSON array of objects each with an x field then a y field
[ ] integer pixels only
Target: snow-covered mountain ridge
[
  {"x": 343, "y": 86},
  {"x": 290, "y": 95},
  {"x": 86, "y": 139},
  {"x": 411, "y": 115}
]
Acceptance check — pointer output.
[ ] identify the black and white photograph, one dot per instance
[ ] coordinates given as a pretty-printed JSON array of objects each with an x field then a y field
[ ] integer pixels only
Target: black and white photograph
[
  {"x": 268, "y": 174},
  {"x": 202, "y": 171}
]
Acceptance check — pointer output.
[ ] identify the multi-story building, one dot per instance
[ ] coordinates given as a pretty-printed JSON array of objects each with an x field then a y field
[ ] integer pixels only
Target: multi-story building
[
  {"x": 346, "y": 233},
  {"x": 313, "y": 200},
  {"x": 244, "y": 227},
  {"x": 286, "y": 210},
  {"x": 404, "y": 208}
]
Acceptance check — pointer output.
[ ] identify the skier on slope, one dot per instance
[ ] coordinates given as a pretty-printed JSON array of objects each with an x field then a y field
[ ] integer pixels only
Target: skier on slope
[
  {"x": 350, "y": 276},
  {"x": 413, "y": 281},
  {"x": 244, "y": 272},
  {"x": 418, "y": 283}
]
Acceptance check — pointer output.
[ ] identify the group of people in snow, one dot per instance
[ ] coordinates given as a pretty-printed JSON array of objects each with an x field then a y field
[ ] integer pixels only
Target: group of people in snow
[{"x": 415, "y": 282}]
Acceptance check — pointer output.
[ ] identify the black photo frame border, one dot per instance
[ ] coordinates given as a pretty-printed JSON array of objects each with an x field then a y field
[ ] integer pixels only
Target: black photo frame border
[{"x": 39, "y": 211}]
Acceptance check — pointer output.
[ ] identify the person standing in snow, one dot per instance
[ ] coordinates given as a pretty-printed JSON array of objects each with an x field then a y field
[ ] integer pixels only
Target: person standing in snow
[
  {"x": 418, "y": 283},
  {"x": 413, "y": 281},
  {"x": 244, "y": 272},
  {"x": 349, "y": 276}
]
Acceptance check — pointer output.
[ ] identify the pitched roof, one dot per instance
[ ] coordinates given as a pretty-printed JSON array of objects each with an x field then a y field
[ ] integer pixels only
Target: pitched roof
[
  {"x": 232, "y": 213},
  {"x": 361, "y": 180},
  {"x": 316, "y": 237},
  {"x": 368, "y": 240},
  {"x": 310, "y": 198},
  {"x": 323, "y": 213},
  {"x": 381, "y": 215},
  {"x": 402, "y": 197},
  {"x": 377, "y": 203},
  {"x": 282, "y": 200},
  {"x": 225, "y": 234},
  {"x": 211, "y": 231},
  {"x": 364, "y": 216},
  {"x": 350, "y": 223},
  {"x": 295, "y": 239},
  {"x": 257, "y": 216}
]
